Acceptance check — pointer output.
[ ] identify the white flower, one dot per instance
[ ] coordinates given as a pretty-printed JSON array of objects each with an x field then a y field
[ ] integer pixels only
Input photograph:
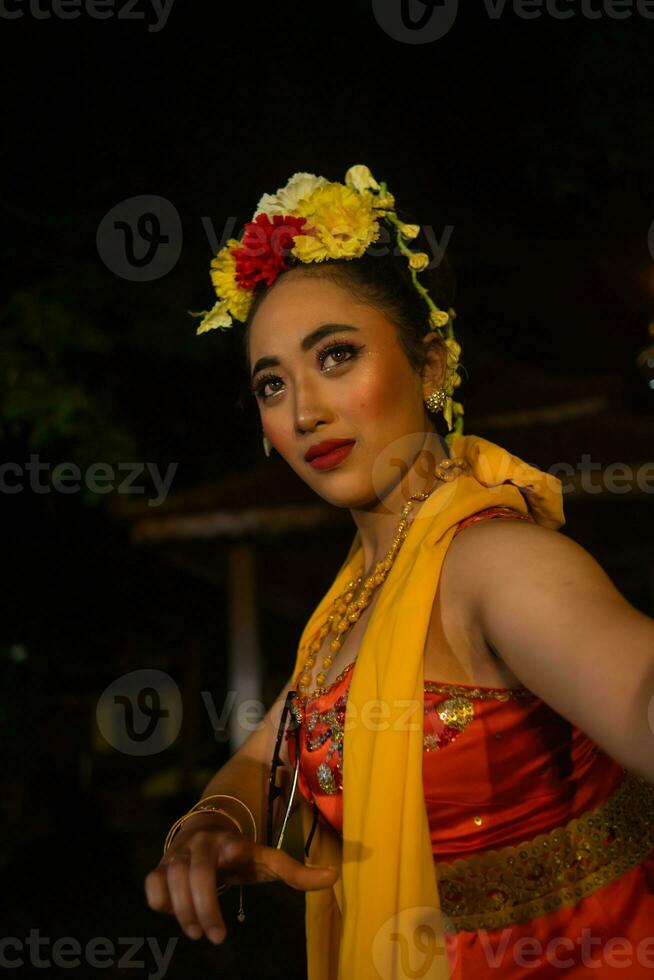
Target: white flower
[
  {"x": 287, "y": 198},
  {"x": 360, "y": 179}
]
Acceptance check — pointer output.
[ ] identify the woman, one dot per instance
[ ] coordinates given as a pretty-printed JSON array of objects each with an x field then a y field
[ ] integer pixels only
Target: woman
[{"x": 456, "y": 688}]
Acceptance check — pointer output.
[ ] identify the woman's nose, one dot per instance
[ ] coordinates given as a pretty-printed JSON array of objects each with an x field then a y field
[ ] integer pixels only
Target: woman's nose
[{"x": 310, "y": 407}]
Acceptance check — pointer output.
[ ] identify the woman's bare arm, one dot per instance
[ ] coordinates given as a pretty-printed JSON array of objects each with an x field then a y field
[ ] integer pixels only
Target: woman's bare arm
[
  {"x": 549, "y": 610},
  {"x": 245, "y": 775},
  {"x": 209, "y": 846}
]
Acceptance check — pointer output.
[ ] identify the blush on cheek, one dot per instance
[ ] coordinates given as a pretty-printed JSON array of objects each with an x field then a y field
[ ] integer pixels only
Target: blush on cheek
[
  {"x": 373, "y": 399},
  {"x": 280, "y": 439}
]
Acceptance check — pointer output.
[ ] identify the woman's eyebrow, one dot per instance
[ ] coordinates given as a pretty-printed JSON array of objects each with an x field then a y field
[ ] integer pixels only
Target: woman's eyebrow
[{"x": 306, "y": 344}]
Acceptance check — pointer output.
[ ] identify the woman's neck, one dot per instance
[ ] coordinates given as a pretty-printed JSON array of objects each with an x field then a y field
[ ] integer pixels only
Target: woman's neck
[{"x": 378, "y": 523}]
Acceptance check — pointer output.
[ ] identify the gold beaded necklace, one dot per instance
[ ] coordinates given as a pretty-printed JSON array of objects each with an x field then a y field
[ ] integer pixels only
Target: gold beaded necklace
[{"x": 346, "y": 610}]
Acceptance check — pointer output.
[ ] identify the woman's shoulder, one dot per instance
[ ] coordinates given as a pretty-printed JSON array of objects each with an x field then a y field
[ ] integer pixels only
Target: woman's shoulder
[
  {"x": 473, "y": 556},
  {"x": 479, "y": 537}
]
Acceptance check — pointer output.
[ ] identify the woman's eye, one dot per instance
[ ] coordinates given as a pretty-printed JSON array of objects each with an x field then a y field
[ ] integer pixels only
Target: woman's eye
[
  {"x": 334, "y": 350},
  {"x": 260, "y": 390},
  {"x": 333, "y": 353}
]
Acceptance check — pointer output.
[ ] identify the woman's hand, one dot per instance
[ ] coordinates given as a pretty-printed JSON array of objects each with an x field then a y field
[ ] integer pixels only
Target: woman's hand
[{"x": 206, "y": 855}]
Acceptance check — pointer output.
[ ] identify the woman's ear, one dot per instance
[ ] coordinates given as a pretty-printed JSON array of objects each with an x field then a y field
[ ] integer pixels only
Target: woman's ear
[{"x": 435, "y": 367}]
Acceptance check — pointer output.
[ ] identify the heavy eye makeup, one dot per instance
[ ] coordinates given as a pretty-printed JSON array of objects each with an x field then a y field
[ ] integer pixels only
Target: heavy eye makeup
[{"x": 353, "y": 350}]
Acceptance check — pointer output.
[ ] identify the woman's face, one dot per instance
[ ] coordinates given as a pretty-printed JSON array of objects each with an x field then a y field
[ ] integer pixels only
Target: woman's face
[{"x": 365, "y": 391}]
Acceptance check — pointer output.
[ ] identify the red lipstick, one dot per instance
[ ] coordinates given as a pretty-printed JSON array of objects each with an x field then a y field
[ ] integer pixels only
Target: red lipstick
[{"x": 324, "y": 455}]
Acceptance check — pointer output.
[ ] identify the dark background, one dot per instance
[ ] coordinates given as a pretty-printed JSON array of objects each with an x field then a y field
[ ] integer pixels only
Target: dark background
[{"x": 531, "y": 138}]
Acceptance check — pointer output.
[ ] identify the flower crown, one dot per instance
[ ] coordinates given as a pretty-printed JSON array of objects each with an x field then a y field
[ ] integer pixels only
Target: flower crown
[{"x": 310, "y": 220}]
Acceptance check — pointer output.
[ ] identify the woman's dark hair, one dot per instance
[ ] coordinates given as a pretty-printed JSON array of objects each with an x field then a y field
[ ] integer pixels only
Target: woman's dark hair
[{"x": 381, "y": 278}]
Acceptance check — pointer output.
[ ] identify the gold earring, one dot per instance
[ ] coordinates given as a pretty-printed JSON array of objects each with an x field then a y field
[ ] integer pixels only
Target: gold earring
[
  {"x": 267, "y": 445},
  {"x": 436, "y": 401}
]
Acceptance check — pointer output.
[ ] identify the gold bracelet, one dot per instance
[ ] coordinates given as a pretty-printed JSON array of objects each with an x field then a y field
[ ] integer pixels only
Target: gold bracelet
[
  {"x": 225, "y": 796},
  {"x": 199, "y": 808},
  {"x": 192, "y": 813}
]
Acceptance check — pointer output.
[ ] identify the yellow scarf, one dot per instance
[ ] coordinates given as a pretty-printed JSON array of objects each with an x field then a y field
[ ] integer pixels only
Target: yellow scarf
[{"x": 382, "y": 916}]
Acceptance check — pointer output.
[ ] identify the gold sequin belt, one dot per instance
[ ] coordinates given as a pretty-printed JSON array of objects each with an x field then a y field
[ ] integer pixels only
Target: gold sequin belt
[{"x": 555, "y": 869}]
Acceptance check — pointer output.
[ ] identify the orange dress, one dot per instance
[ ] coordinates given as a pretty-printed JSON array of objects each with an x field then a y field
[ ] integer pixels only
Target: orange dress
[{"x": 543, "y": 845}]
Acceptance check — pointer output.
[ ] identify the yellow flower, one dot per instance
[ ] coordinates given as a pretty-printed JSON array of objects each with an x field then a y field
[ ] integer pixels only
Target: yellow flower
[
  {"x": 447, "y": 412},
  {"x": 385, "y": 201},
  {"x": 453, "y": 351},
  {"x": 439, "y": 318},
  {"x": 360, "y": 179},
  {"x": 343, "y": 220},
  {"x": 452, "y": 379},
  {"x": 419, "y": 261},
  {"x": 287, "y": 198},
  {"x": 409, "y": 231},
  {"x": 217, "y": 317},
  {"x": 452, "y": 408},
  {"x": 223, "y": 277}
]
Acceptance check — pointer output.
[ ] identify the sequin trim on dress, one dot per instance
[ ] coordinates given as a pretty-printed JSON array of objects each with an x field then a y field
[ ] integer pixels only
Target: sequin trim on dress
[
  {"x": 481, "y": 693},
  {"x": 322, "y": 726},
  {"x": 448, "y": 719},
  {"x": 455, "y": 713},
  {"x": 438, "y": 687}
]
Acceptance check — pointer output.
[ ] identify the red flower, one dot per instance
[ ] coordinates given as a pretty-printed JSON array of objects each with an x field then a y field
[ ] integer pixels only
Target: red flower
[{"x": 265, "y": 247}]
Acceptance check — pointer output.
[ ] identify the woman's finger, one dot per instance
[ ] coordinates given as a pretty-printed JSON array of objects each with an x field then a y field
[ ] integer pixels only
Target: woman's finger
[
  {"x": 300, "y": 876},
  {"x": 180, "y": 892},
  {"x": 203, "y": 884},
  {"x": 156, "y": 891}
]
